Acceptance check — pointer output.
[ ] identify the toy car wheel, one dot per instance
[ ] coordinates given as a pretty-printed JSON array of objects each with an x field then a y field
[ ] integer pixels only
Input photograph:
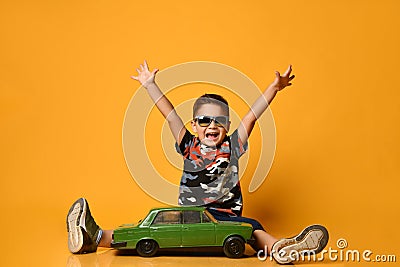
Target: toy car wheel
[
  {"x": 147, "y": 248},
  {"x": 234, "y": 247}
]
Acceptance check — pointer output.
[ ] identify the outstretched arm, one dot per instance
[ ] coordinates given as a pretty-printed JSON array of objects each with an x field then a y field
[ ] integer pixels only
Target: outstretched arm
[
  {"x": 147, "y": 79},
  {"x": 262, "y": 103}
]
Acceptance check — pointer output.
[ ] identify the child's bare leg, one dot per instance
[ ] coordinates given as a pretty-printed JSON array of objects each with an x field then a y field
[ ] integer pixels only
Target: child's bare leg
[
  {"x": 106, "y": 238},
  {"x": 263, "y": 239}
]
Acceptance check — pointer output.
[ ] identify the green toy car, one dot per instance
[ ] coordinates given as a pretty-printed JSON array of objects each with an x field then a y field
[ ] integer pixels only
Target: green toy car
[{"x": 182, "y": 227}]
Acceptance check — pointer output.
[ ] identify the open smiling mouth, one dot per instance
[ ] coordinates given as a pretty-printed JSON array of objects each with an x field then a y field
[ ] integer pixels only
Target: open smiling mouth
[{"x": 212, "y": 136}]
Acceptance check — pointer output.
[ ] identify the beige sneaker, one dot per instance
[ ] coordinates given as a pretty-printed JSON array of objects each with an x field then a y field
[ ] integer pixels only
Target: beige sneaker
[
  {"x": 311, "y": 241},
  {"x": 83, "y": 233}
]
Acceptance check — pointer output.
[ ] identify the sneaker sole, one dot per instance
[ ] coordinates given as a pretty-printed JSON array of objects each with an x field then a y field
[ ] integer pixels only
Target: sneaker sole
[
  {"x": 76, "y": 218},
  {"x": 310, "y": 241}
]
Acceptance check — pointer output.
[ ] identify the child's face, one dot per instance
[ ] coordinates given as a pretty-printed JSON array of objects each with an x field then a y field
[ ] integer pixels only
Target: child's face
[{"x": 213, "y": 134}]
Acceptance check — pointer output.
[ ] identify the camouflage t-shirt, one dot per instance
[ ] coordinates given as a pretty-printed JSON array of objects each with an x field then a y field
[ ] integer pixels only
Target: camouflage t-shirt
[{"x": 211, "y": 174}]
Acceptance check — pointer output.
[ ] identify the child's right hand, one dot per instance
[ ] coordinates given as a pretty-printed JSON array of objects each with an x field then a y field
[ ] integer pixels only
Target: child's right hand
[{"x": 145, "y": 77}]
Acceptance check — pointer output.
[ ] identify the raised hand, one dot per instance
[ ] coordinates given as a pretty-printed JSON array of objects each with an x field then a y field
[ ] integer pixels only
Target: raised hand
[
  {"x": 281, "y": 82},
  {"x": 145, "y": 77}
]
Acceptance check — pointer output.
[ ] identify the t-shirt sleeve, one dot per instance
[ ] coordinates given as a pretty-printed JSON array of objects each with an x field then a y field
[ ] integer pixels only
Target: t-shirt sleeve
[
  {"x": 183, "y": 147},
  {"x": 237, "y": 147}
]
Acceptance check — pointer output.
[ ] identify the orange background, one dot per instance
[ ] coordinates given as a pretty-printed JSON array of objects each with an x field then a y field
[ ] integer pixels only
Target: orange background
[{"x": 65, "y": 86}]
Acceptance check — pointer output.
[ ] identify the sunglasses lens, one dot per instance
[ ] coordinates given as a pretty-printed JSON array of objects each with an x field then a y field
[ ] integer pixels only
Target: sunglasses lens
[
  {"x": 204, "y": 121},
  {"x": 221, "y": 120}
]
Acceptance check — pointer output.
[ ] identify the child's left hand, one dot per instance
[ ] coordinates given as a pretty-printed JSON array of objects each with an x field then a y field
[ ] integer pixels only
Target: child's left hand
[{"x": 281, "y": 82}]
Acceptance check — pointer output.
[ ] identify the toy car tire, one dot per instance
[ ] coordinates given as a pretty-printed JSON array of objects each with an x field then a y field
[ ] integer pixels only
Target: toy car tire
[
  {"x": 234, "y": 247},
  {"x": 147, "y": 248}
]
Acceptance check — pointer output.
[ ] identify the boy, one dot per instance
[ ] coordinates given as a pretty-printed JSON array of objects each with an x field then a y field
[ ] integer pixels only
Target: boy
[{"x": 210, "y": 175}]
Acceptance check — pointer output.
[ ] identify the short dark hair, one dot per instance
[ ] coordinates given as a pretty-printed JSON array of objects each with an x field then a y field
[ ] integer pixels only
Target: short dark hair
[{"x": 211, "y": 99}]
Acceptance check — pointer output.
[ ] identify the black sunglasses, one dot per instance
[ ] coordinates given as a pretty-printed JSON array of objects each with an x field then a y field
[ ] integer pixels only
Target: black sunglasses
[{"x": 204, "y": 121}]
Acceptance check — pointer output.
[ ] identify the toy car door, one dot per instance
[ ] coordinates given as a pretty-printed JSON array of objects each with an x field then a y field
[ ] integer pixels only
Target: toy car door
[
  {"x": 197, "y": 229},
  {"x": 166, "y": 228}
]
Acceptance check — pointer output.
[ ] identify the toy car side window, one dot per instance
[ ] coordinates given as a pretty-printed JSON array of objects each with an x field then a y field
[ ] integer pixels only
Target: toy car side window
[
  {"x": 168, "y": 217},
  {"x": 191, "y": 216},
  {"x": 204, "y": 218}
]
